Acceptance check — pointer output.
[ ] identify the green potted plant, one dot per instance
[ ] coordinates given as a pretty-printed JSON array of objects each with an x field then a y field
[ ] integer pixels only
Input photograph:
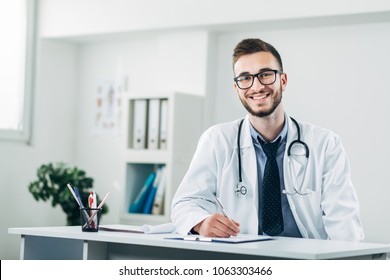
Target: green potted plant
[{"x": 52, "y": 184}]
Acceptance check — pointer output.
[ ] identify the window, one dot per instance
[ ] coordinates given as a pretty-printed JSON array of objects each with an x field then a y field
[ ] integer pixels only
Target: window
[{"x": 17, "y": 33}]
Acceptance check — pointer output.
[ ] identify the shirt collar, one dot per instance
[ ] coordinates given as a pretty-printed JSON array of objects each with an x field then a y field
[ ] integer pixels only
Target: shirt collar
[{"x": 282, "y": 134}]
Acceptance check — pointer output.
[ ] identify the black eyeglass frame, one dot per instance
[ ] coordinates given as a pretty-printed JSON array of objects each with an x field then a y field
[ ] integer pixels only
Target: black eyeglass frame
[{"x": 257, "y": 75}]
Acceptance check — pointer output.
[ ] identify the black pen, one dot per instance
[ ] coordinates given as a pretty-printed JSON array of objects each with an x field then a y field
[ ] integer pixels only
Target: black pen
[{"x": 219, "y": 203}]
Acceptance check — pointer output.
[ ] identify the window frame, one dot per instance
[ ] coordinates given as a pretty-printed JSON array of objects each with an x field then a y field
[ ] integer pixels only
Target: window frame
[{"x": 24, "y": 134}]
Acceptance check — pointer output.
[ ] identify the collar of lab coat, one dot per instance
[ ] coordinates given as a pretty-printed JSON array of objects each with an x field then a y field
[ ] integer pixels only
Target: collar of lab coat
[{"x": 246, "y": 138}]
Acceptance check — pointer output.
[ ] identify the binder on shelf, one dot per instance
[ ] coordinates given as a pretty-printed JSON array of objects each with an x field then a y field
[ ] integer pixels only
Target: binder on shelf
[
  {"x": 158, "y": 204},
  {"x": 137, "y": 205},
  {"x": 153, "y": 123},
  {"x": 152, "y": 193},
  {"x": 140, "y": 123},
  {"x": 163, "y": 123}
]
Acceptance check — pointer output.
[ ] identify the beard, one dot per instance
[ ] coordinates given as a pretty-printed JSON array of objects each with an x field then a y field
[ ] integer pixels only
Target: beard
[{"x": 277, "y": 95}]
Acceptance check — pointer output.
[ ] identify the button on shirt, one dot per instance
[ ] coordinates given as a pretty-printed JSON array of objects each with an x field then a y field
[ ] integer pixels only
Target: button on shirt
[{"x": 290, "y": 226}]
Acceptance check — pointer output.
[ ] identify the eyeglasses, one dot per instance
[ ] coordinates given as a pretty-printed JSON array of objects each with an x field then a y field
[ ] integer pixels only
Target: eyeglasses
[{"x": 266, "y": 77}]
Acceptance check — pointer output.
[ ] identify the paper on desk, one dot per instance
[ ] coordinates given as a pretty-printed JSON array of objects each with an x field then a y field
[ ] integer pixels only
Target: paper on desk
[
  {"x": 122, "y": 228},
  {"x": 163, "y": 228},
  {"x": 148, "y": 229}
]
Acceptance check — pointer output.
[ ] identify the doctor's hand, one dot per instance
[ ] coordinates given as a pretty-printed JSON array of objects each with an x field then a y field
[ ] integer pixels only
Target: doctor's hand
[{"x": 217, "y": 225}]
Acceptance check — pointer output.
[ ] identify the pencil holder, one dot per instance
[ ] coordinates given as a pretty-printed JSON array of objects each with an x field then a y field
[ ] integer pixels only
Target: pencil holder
[{"x": 90, "y": 218}]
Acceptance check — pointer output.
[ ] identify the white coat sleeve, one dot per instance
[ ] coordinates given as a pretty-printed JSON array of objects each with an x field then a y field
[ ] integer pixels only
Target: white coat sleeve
[
  {"x": 194, "y": 198},
  {"x": 339, "y": 202}
]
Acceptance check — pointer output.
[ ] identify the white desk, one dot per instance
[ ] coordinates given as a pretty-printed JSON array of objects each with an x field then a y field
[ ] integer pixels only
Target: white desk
[{"x": 71, "y": 243}]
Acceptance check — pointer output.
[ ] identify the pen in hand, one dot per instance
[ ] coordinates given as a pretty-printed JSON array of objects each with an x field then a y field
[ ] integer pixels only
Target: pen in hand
[{"x": 220, "y": 206}]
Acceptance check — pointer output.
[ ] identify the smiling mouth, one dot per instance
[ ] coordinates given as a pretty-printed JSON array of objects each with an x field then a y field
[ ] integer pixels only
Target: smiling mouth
[{"x": 259, "y": 97}]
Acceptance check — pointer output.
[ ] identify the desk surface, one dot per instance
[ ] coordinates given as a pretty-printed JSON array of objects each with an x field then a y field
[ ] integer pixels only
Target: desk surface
[{"x": 280, "y": 247}]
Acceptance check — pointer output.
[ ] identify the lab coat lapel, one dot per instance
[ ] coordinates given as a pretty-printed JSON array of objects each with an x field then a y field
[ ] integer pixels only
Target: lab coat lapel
[
  {"x": 248, "y": 158},
  {"x": 295, "y": 164}
]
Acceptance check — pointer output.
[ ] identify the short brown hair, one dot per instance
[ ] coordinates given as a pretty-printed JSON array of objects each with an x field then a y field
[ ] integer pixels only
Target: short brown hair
[{"x": 250, "y": 46}]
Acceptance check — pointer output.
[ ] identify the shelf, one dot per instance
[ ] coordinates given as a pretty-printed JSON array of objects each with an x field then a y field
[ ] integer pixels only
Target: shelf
[{"x": 182, "y": 133}]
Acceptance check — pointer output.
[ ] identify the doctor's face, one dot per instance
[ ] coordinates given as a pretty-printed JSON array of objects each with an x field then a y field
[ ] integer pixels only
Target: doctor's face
[{"x": 259, "y": 100}]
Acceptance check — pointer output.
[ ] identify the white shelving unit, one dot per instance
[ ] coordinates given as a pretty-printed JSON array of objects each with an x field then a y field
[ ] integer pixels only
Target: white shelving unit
[{"x": 184, "y": 127}]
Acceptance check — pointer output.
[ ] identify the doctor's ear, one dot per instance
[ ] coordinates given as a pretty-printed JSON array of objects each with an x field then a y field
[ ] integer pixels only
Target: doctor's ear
[
  {"x": 283, "y": 81},
  {"x": 236, "y": 88}
]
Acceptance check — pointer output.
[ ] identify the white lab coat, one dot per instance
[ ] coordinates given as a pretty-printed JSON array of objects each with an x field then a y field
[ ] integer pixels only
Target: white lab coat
[{"x": 329, "y": 210}]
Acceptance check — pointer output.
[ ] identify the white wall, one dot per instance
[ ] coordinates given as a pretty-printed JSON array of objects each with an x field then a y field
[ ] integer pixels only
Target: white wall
[
  {"x": 68, "y": 18},
  {"x": 178, "y": 43}
]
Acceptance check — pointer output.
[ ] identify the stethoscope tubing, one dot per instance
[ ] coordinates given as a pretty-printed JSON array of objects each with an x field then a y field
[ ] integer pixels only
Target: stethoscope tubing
[
  {"x": 239, "y": 151},
  {"x": 297, "y": 141}
]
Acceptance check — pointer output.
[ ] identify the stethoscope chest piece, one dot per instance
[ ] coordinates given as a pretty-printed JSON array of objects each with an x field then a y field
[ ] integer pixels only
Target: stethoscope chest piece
[{"x": 240, "y": 190}]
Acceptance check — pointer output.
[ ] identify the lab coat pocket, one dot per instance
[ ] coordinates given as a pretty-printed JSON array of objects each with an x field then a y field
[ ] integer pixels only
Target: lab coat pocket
[{"x": 296, "y": 170}]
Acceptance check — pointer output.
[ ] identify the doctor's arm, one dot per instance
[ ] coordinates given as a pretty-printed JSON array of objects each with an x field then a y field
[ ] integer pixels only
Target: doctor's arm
[
  {"x": 339, "y": 200},
  {"x": 193, "y": 207}
]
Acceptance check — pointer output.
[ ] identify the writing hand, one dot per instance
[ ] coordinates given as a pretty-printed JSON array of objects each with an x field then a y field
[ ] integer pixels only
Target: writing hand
[{"x": 217, "y": 225}]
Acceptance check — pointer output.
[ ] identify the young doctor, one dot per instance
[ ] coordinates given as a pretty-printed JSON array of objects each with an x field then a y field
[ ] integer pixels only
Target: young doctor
[{"x": 315, "y": 197}]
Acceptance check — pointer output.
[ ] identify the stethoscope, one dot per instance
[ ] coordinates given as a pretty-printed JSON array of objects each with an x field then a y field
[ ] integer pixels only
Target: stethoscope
[{"x": 241, "y": 190}]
